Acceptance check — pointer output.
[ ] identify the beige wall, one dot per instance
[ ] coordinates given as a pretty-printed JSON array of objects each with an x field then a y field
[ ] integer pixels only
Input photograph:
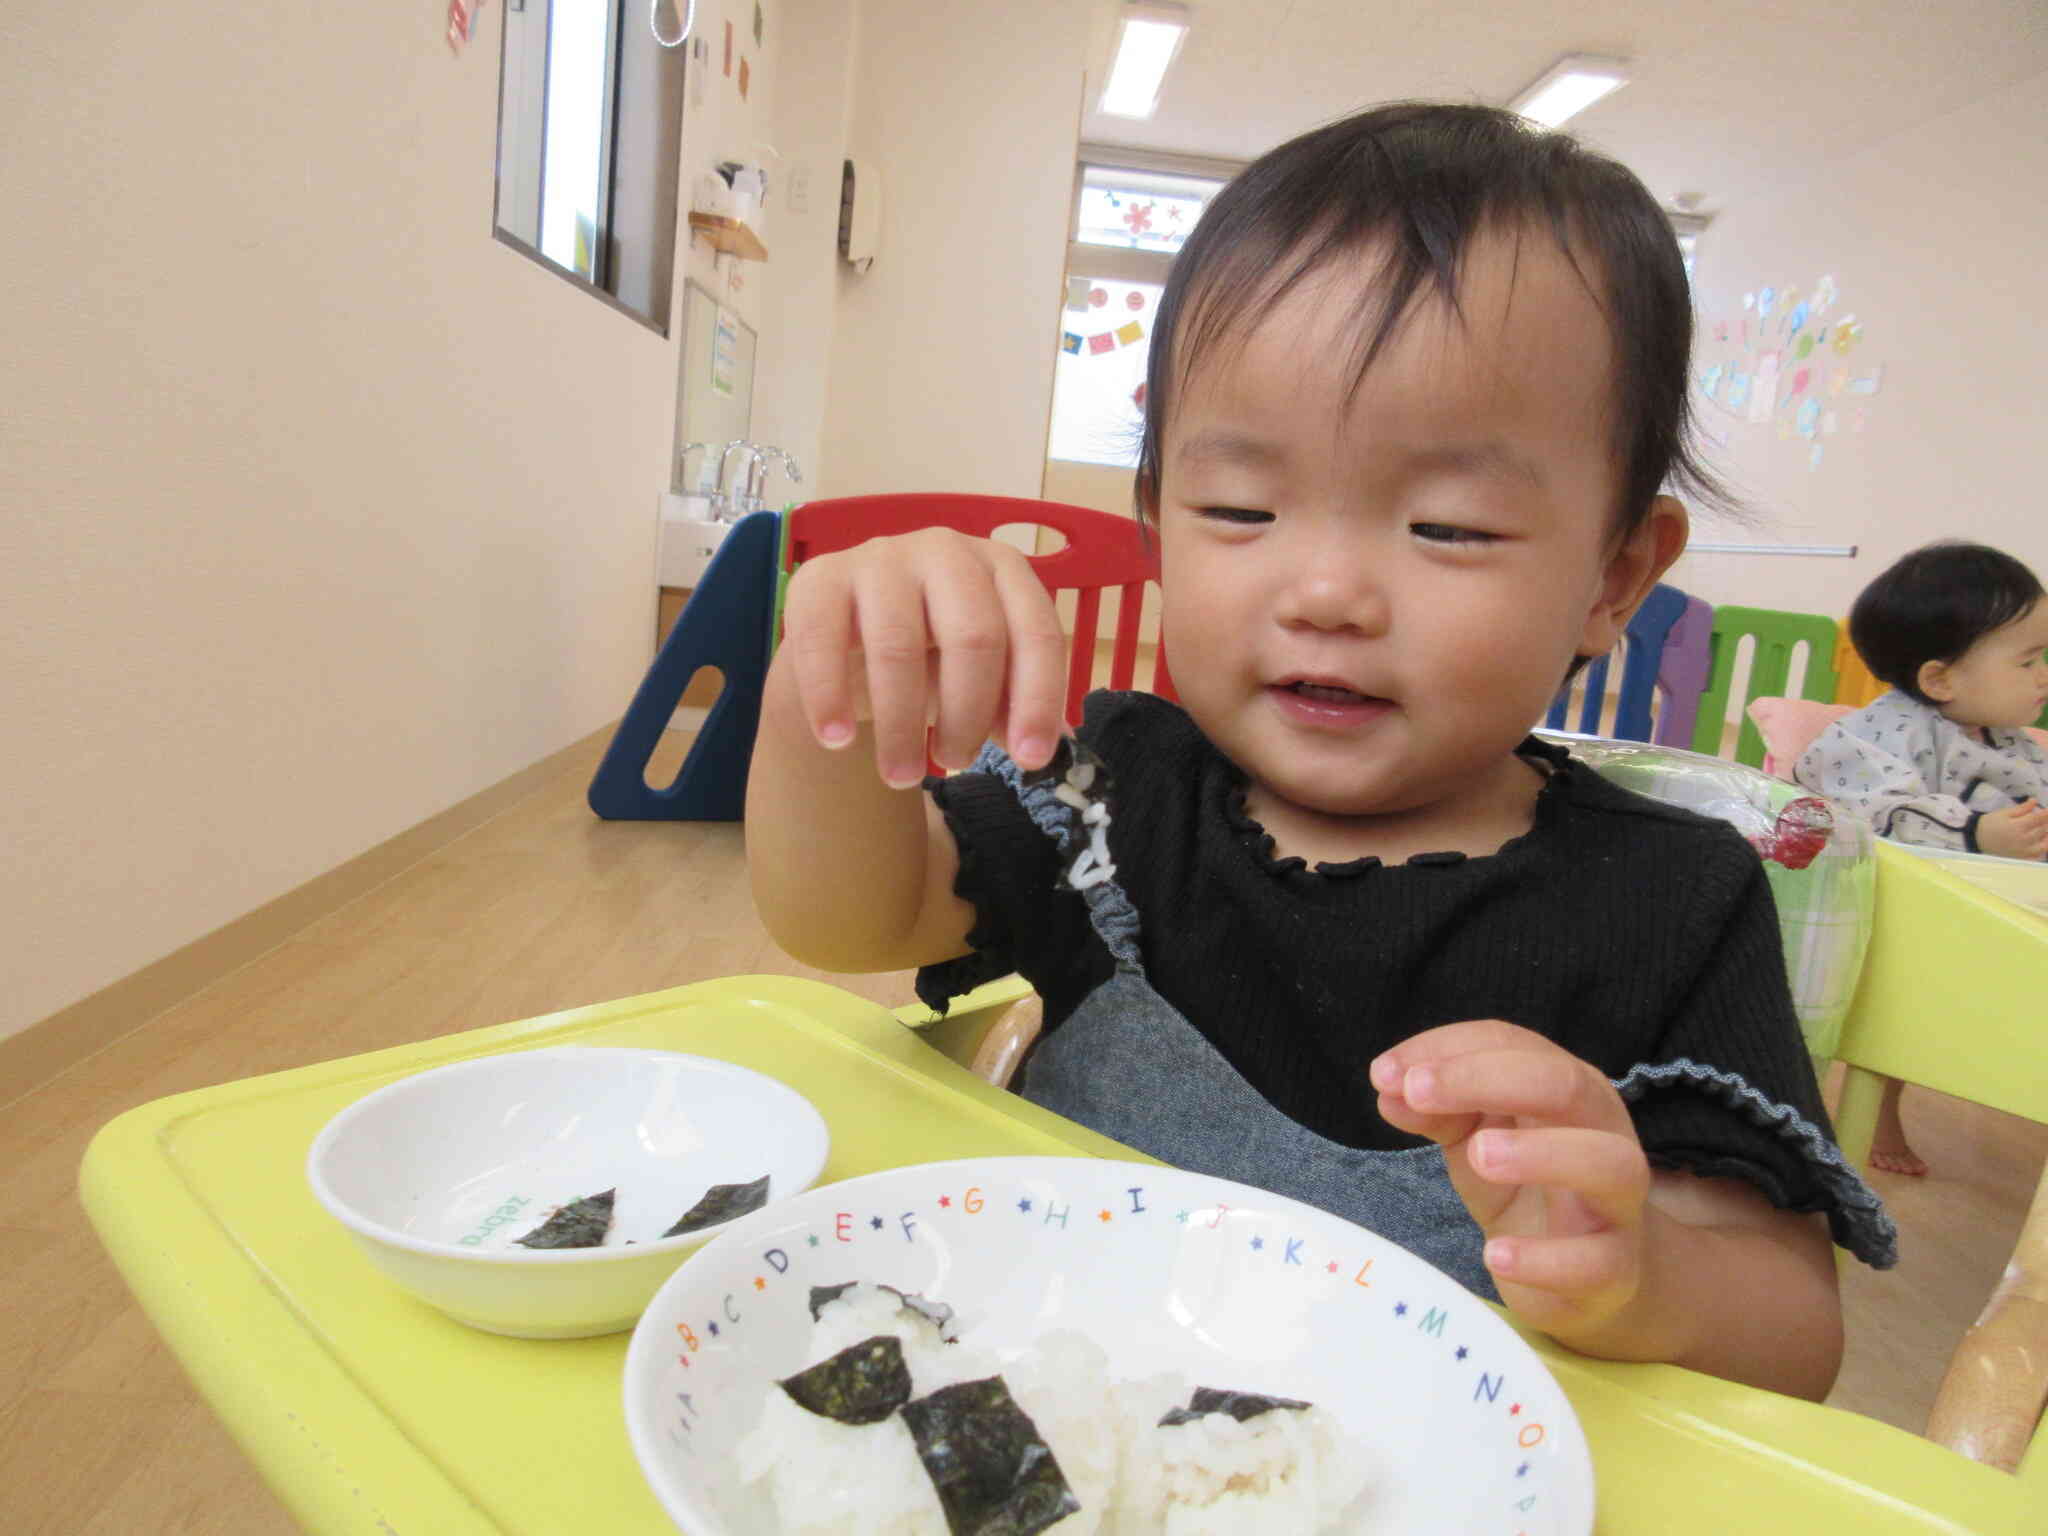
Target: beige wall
[
  {"x": 1935, "y": 239},
  {"x": 322, "y": 511},
  {"x": 941, "y": 368}
]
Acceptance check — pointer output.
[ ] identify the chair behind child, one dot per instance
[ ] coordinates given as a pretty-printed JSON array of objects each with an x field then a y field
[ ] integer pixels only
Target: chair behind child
[
  {"x": 1103, "y": 553},
  {"x": 1776, "y": 635}
]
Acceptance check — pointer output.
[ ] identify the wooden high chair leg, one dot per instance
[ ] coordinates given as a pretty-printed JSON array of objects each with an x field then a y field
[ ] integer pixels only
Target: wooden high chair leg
[
  {"x": 1003, "y": 1047},
  {"x": 1991, "y": 1399}
]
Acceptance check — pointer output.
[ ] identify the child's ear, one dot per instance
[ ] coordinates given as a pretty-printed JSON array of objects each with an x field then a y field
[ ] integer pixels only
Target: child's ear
[
  {"x": 1634, "y": 565},
  {"x": 1934, "y": 682}
]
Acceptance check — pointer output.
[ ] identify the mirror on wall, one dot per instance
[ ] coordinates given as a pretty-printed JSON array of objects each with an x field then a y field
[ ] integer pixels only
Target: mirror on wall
[
  {"x": 715, "y": 386},
  {"x": 590, "y": 116}
]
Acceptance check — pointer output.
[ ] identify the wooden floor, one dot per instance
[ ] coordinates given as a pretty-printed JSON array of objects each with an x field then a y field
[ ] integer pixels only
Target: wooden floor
[{"x": 543, "y": 908}]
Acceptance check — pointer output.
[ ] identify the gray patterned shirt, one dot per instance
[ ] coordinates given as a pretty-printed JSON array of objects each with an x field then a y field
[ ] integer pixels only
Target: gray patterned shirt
[{"x": 1917, "y": 776}]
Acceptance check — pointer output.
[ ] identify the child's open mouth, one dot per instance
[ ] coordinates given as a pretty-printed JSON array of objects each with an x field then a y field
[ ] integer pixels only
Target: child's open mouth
[
  {"x": 1328, "y": 703},
  {"x": 1327, "y": 693}
]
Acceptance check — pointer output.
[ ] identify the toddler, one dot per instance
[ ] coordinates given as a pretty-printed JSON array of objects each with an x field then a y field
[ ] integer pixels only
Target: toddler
[
  {"x": 1960, "y": 633},
  {"x": 1353, "y": 935}
]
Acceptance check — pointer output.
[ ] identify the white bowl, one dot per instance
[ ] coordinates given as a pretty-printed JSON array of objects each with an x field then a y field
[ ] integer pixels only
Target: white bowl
[
  {"x": 1459, "y": 1422},
  {"x": 436, "y": 1176}
]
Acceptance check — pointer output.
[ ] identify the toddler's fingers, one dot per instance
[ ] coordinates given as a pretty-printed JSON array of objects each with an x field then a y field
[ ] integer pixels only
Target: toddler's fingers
[
  {"x": 1605, "y": 1173},
  {"x": 964, "y": 614},
  {"x": 1544, "y": 1082},
  {"x": 1035, "y": 698},
  {"x": 895, "y": 646},
  {"x": 818, "y": 634},
  {"x": 1567, "y": 1270},
  {"x": 1443, "y": 1129}
]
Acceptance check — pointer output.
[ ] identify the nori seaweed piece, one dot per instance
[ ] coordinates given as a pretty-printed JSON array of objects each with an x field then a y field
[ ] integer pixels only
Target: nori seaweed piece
[
  {"x": 863, "y": 1384},
  {"x": 722, "y": 1202},
  {"x": 579, "y": 1224},
  {"x": 1239, "y": 1405},
  {"x": 824, "y": 1295},
  {"x": 937, "y": 1313},
  {"x": 993, "y": 1472}
]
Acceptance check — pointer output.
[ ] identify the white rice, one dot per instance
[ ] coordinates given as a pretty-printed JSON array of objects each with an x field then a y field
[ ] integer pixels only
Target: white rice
[{"x": 1285, "y": 1472}]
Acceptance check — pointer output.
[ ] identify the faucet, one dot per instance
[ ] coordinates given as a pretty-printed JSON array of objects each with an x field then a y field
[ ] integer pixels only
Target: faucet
[
  {"x": 757, "y": 481},
  {"x": 727, "y": 504},
  {"x": 683, "y": 482}
]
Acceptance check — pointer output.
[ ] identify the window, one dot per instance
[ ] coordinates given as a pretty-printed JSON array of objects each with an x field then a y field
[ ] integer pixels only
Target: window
[
  {"x": 589, "y": 145},
  {"x": 1132, "y": 211}
]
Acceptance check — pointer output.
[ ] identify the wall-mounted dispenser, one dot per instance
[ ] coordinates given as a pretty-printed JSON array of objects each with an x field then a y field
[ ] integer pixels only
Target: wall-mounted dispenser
[{"x": 860, "y": 213}]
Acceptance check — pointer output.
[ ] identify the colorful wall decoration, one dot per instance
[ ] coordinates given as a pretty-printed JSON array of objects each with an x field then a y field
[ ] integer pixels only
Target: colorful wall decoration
[{"x": 1791, "y": 362}]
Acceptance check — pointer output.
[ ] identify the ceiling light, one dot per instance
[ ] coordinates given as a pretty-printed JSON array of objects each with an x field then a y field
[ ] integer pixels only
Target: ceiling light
[
  {"x": 1570, "y": 86},
  {"x": 1151, "y": 36}
]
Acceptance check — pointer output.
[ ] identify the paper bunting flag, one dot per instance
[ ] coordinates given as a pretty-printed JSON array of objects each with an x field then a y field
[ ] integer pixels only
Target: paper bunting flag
[
  {"x": 1130, "y": 334},
  {"x": 1101, "y": 342},
  {"x": 1077, "y": 293},
  {"x": 1070, "y": 342}
]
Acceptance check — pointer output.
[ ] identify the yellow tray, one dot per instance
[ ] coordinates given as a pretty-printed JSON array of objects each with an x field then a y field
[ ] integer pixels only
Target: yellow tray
[{"x": 368, "y": 1412}]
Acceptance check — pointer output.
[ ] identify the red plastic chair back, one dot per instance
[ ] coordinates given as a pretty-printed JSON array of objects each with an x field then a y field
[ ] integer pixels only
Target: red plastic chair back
[{"x": 1102, "y": 551}]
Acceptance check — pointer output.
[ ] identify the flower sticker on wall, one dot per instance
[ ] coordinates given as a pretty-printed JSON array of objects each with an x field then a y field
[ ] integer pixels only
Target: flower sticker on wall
[
  {"x": 1824, "y": 295},
  {"x": 1847, "y": 334},
  {"x": 1139, "y": 217}
]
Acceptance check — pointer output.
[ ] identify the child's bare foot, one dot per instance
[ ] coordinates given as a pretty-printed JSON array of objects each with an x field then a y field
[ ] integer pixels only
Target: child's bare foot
[{"x": 1888, "y": 1149}]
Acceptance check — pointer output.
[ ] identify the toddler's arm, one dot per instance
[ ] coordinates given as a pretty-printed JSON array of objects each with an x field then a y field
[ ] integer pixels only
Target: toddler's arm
[
  {"x": 852, "y": 867},
  {"x": 1590, "y": 1245}
]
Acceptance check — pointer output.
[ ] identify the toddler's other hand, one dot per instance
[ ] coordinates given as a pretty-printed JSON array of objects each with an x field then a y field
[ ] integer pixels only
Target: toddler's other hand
[
  {"x": 934, "y": 628},
  {"x": 1545, "y": 1157},
  {"x": 2017, "y": 832}
]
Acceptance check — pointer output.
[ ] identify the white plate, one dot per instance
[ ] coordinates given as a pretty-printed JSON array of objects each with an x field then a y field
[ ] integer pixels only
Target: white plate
[
  {"x": 1166, "y": 1270},
  {"x": 439, "y": 1174}
]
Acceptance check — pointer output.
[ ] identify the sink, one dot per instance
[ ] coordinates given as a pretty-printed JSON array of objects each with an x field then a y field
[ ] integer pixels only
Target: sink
[{"x": 690, "y": 536}]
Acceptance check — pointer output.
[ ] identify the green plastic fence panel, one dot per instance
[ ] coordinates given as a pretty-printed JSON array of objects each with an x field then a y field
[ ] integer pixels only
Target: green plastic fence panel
[{"x": 1776, "y": 635}]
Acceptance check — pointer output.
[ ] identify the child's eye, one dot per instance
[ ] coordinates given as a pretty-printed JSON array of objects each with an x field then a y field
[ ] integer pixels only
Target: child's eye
[
  {"x": 1447, "y": 533},
  {"x": 1246, "y": 515}
]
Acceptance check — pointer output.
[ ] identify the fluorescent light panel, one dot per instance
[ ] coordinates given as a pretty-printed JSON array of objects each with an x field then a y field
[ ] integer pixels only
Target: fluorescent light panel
[
  {"x": 1568, "y": 87},
  {"x": 1152, "y": 35}
]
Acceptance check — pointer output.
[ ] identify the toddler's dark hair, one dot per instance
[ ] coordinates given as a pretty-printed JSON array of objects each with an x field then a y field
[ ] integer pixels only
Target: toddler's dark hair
[
  {"x": 1424, "y": 177},
  {"x": 1933, "y": 605}
]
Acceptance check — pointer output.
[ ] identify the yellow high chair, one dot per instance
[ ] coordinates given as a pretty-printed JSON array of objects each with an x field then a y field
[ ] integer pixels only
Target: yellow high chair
[{"x": 1971, "y": 1026}]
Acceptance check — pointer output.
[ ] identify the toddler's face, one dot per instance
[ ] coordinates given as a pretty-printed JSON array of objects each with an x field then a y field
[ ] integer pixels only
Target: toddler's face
[
  {"x": 2001, "y": 680},
  {"x": 1370, "y": 597}
]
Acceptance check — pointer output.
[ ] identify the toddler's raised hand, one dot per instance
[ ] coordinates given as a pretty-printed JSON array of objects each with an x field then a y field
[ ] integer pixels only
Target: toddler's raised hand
[
  {"x": 2017, "y": 832},
  {"x": 934, "y": 628},
  {"x": 1545, "y": 1157}
]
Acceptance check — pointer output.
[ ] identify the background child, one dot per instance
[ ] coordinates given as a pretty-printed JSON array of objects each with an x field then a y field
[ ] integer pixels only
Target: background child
[
  {"x": 1416, "y": 383},
  {"x": 1960, "y": 633}
]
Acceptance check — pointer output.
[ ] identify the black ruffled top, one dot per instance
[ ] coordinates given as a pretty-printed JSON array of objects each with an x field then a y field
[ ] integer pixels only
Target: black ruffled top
[{"x": 1628, "y": 931}]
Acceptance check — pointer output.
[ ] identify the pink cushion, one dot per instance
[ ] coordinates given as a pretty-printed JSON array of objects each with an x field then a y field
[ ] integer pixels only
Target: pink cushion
[{"x": 1788, "y": 727}]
